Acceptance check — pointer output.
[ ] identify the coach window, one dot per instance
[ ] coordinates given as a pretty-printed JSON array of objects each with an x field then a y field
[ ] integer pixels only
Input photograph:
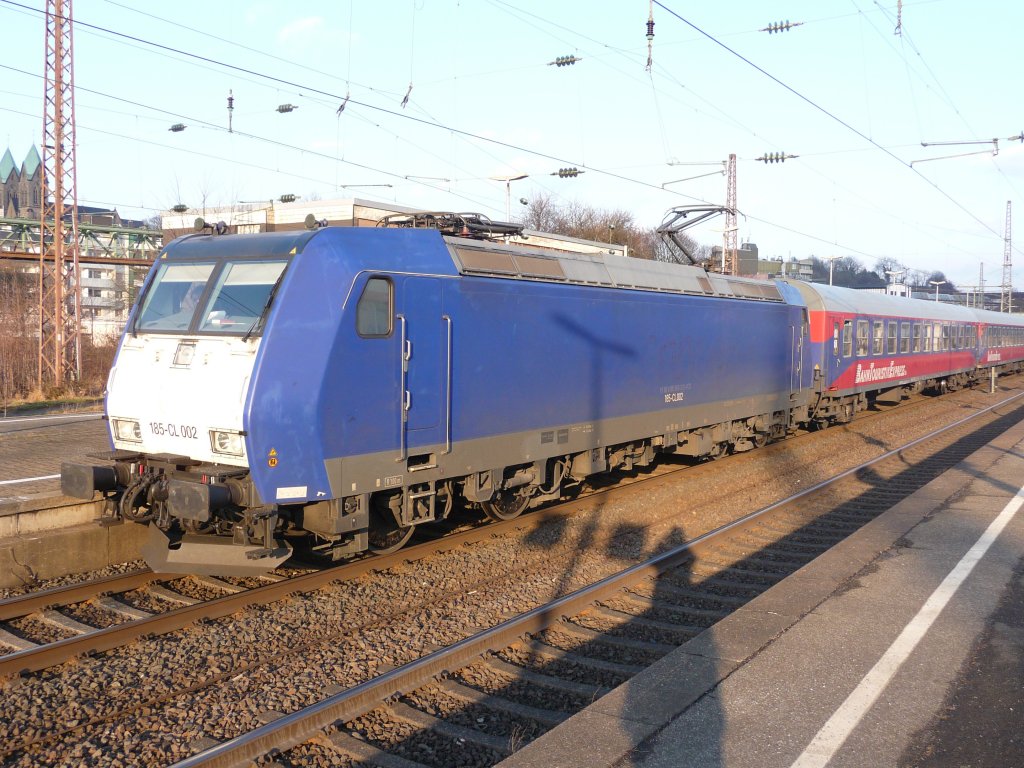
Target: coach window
[
  {"x": 876, "y": 343},
  {"x": 927, "y": 328},
  {"x": 891, "y": 344},
  {"x": 904, "y": 338},
  {"x": 917, "y": 337},
  {"x": 373, "y": 313},
  {"x": 863, "y": 328},
  {"x": 847, "y": 338},
  {"x": 945, "y": 337}
]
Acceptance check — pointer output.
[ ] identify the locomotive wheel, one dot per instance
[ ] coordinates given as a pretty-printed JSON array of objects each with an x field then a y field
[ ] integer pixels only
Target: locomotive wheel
[
  {"x": 385, "y": 534},
  {"x": 506, "y": 505},
  {"x": 718, "y": 450}
]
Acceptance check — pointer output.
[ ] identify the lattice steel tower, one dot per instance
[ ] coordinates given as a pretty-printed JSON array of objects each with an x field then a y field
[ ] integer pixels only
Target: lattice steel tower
[
  {"x": 730, "y": 253},
  {"x": 60, "y": 295},
  {"x": 1006, "y": 297}
]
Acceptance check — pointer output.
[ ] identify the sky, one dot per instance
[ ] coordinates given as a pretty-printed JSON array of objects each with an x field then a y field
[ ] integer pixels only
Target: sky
[{"x": 848, "y": 97}]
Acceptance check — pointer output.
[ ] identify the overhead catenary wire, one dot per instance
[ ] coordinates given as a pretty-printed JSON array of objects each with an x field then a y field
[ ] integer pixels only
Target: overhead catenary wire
[
  {"x": 832, "y": 116},
  {"x": 367, "y": 105},
  {"x": 720, "y": 114},
  {"x": 432, "y": 123}
]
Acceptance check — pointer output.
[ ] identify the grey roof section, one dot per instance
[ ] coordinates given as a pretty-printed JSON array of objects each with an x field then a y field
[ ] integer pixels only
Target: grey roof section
[
  {"x": 473, "y": 257},
  {"x": 848, "y": 300},
  {"x": 6, "y": 166}
]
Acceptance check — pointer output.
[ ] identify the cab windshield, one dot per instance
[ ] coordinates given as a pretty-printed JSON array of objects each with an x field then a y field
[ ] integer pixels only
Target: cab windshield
[{"x": 223, "y": 298}]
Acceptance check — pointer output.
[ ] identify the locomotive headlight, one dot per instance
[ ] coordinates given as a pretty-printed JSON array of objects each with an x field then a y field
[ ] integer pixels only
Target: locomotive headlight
[
  {"x": 127, "y": 430},
  {"x": 223, "y": 441}
]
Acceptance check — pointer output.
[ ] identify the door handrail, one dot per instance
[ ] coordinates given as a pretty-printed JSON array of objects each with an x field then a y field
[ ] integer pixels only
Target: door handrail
[{"x": 448, "y": 388}]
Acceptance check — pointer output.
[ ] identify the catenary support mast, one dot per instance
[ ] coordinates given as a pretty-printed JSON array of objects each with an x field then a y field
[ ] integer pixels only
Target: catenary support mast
[
  {"x": 1006, "y": 298},
  {"x": 59, "y": 273},
  {"x": 731, "y": 250}
]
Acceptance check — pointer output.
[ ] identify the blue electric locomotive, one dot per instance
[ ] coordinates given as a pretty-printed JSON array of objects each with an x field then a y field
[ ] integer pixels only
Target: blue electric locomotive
[{"x": 340, "y": 386}]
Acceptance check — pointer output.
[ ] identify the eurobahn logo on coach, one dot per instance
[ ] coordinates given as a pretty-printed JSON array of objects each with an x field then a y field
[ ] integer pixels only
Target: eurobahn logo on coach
[{"x": 889, "y": 371}]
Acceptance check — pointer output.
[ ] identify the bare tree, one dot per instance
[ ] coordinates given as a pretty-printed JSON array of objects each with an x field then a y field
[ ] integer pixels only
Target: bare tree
[
  {"x": 541, "y": 214},
  {"x": 600, "y": 225},
  {"x": 19, "y": 346}
]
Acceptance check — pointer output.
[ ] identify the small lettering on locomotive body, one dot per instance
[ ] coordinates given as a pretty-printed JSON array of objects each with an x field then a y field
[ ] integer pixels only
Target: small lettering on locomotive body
[
  {"x": 675, "y": 393},
  {"x": 174, "y": 430}
]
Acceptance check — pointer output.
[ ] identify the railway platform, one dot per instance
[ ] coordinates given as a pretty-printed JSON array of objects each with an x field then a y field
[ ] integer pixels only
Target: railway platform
[
  {"x": 42, "y": 533},
  {"x": 902, "y": 646}
]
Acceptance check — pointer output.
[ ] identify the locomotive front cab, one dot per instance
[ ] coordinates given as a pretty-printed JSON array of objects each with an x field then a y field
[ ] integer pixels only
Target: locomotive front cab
[{"x": 175, "y": 405}]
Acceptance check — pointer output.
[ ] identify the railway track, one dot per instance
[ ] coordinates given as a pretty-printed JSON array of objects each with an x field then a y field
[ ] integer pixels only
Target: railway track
[
  {"x": 615, "y": 630},
  {"x": 44, "y": 629},
  {"x": 477, "y": 701}
]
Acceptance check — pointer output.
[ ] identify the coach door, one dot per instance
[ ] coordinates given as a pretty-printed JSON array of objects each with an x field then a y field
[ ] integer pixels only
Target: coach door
[
  {"x": 426, "y": 356},
  {"x": 797, "y": 335}
]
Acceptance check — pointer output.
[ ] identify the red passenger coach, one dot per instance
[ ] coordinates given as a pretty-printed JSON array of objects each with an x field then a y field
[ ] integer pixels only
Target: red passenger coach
[{"x": 869, "y": 347}]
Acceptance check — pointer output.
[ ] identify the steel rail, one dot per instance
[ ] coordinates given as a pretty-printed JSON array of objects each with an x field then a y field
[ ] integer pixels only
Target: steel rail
[
  {"x": 23, "y": 605},
  {"x": 305, "y": 724},
  {"x": 52, "y": 654}
]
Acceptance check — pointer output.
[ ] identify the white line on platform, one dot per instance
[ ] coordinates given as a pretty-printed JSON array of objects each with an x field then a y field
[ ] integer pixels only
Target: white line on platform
[
  {"x": 52, "y": 418},
  {"x": 838, "y": 728},
  {"x": 28, "y": 479}
]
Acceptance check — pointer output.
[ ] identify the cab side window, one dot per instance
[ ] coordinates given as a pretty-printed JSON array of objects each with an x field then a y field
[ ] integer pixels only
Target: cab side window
[{"x": 373, "y": 312}]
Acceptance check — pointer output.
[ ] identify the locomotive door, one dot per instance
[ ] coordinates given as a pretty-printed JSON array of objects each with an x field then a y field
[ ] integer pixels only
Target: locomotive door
[{"x": 424, "y": 353}]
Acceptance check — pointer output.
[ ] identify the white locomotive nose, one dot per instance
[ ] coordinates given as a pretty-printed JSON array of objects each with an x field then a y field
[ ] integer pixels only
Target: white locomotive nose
[{"x": 199, "y": 411}]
